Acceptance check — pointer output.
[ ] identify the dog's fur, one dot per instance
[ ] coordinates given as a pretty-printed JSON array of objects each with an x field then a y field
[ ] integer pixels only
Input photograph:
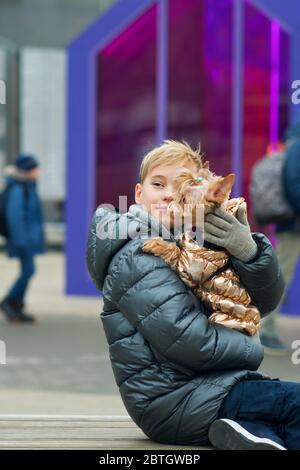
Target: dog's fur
[{"x": 222, "y": 291}]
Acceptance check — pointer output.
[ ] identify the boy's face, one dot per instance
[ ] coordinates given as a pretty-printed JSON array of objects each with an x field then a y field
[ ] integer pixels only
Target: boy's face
[
  {"x": 34, "y": 174},
  {"x": 158, "y": 190}
]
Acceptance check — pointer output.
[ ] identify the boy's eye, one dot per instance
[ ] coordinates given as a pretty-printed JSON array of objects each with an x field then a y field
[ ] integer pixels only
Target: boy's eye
[{"x": 157, "y": 184}]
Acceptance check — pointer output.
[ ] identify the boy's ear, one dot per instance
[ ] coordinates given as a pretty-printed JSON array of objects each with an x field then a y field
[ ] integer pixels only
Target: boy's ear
[
  {"x": 138, "y": 193},
  {"x": 220, "y": 189}
]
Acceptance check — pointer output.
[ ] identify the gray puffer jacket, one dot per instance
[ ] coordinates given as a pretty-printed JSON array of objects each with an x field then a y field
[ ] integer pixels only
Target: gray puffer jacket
[{"x": 172, "y": 367}]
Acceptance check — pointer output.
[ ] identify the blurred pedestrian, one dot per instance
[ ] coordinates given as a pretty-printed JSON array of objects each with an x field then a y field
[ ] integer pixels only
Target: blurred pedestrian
[
  {"x": 25, "y": 239},
  {"x": 288, "y": 237}
]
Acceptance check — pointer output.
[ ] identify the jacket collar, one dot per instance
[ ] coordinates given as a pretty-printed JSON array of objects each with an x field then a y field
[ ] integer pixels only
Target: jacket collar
[{"x": 148, "y": 225}]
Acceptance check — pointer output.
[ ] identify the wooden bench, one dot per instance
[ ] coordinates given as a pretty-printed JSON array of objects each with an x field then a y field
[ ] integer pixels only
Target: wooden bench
[{"x": 75, "y": 432}]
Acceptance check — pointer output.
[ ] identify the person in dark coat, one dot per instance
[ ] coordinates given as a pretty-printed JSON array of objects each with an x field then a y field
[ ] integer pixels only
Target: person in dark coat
[
  {"x": 25, "y": 231},
  {"x": 288, "y": 238},
  {"x": 183, "y": 380}
]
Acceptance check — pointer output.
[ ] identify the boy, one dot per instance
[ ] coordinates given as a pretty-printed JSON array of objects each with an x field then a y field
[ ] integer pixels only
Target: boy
[
  {"x": 23, "y": 213},
  {"x": 181, "y": 378}
]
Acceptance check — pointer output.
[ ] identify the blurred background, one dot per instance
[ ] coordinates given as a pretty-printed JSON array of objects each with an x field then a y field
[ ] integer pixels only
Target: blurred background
[{"x": 90, "y": 87}]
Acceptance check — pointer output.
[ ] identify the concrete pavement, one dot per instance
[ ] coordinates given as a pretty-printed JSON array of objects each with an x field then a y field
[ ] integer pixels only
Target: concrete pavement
[{"x": 60, "y": 365}]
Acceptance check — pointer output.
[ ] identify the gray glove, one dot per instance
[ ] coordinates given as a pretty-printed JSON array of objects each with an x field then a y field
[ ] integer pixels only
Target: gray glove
[{"x": 232, "y": 233}]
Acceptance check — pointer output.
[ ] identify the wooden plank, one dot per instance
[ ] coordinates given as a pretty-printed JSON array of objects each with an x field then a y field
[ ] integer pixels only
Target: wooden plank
[
  {"x": 65, "y": 424},
  {"x": 74, "y": 432},
  {"x": 92, "y": 445},
  {"x": 67, "y": 418}
]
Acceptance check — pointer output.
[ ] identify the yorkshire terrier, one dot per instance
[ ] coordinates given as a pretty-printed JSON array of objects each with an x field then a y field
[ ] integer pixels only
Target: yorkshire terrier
[{"x": 207, "y": 271}]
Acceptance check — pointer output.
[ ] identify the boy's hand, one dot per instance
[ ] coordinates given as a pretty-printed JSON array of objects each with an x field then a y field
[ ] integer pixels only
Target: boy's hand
[{"x": 232, "y": 233}]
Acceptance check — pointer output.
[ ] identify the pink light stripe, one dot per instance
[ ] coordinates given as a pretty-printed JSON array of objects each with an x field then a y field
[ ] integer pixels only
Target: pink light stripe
[{"x": 274, "y": 82}]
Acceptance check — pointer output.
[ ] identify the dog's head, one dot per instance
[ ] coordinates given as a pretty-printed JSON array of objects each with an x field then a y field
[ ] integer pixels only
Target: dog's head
[{"x": 202, "y": 189}]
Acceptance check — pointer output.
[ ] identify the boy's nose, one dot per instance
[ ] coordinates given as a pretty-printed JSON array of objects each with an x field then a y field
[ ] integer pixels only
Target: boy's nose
[{"x": 169, "y": 197}]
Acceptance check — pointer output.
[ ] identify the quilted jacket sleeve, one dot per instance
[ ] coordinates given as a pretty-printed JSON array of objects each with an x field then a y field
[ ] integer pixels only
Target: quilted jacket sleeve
[
  {"x": 168, "y": 315},
  {"x": 262, "y": 277}
]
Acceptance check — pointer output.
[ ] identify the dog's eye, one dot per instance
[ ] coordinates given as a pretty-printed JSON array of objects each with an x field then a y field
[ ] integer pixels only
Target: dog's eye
[
  {"x": 196, "y": 181},
  {"x": 199, "y": 179}
]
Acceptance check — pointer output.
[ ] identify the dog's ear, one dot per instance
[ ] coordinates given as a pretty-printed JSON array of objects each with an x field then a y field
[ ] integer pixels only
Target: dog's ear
[{"x": 219, "y": 190}]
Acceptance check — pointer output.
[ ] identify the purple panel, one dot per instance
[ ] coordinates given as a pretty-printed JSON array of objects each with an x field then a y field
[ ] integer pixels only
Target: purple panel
[
  {"x": 80, "y": 132},
  {"x": 274, "y": 82},
  {"x": 291, "y": 305},
  {"x": 200, "y": 77},
  {"x": 126, "y": 108},
  {"x": 185, "y": 70},
  {"x": 217, "y": 95},
  {"x": 284, "y": 83},
  {"x": 266, "y": 85},
  {"x": 267, "y": 96},
  {"x": 257, "y": 81},
  {"x": 81, "y": 135}
]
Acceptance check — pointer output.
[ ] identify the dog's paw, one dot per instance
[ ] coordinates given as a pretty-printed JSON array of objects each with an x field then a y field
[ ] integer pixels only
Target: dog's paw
[{"x": 154, "y": 246}]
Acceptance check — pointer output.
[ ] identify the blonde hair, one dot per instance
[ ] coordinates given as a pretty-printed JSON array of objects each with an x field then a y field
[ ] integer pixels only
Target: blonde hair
[{"x": 171, "y": 152}]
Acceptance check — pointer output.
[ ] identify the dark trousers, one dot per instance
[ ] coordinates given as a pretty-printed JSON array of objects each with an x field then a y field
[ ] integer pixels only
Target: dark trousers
[
  {"x": 266, "y": 408},
  {"x": 18, "y": 290}
]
